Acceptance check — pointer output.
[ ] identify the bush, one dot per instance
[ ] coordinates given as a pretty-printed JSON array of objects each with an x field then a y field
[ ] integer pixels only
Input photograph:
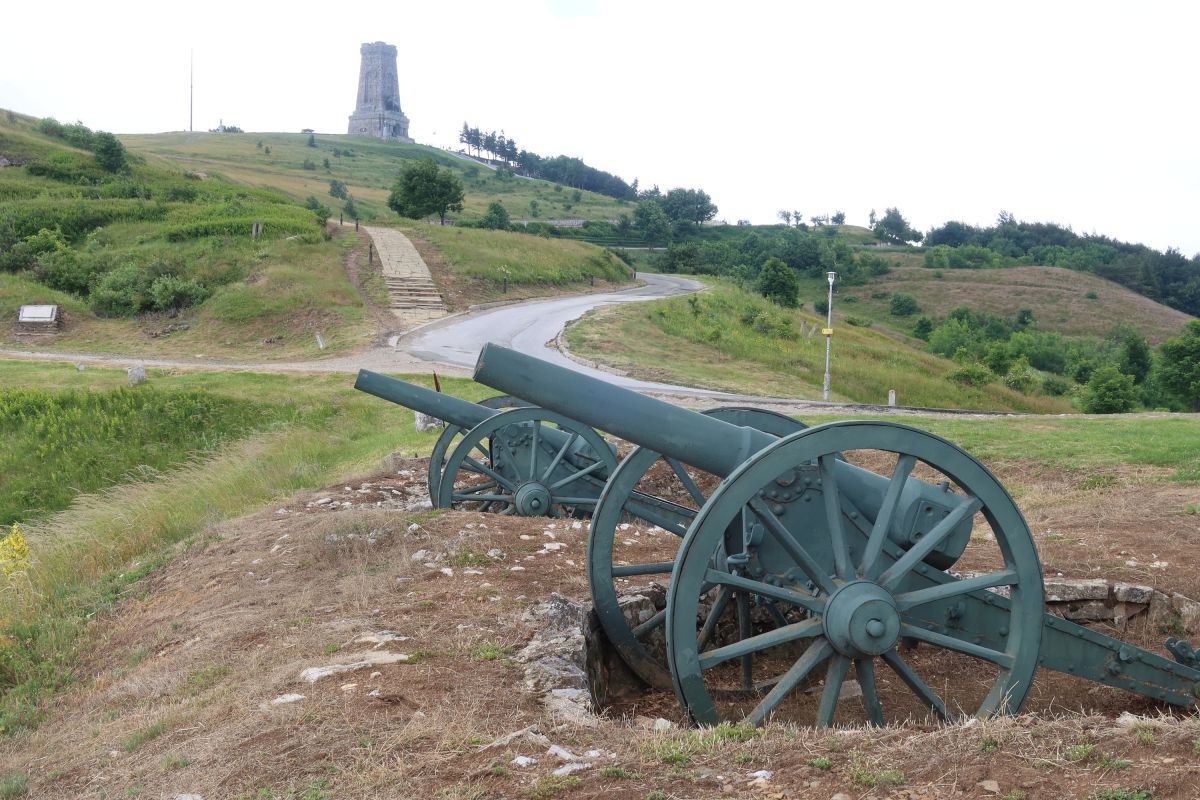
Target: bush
[
  {"x": 309, "y": 164},
  {"x": 923, "y": 328},
  {"x": 973, "y": 374},
  {"x": 27, "y": 251},
  {"x": 169, "y": 293},
  {"x": 496, "y": 217},
  {"x": 1055, "y": 386},
  {"x": 778, "y": 283},
  {"x": 320, "y": 209},
  {"x": 123, "y": 292},
  {"x": 1020, "y": 377},
  {"x": 821, "y": 306},
  {"x": 110, "y": 153},
  {"x": 903, "y": 305},
  {"x": 1109, "y": 392},
  {"x": 338, "y": 189}
]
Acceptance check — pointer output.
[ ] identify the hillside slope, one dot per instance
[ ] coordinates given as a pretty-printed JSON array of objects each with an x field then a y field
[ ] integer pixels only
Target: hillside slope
[
  {"x": 367, "y": 166},
  {"x": 1061, "y": 299}
]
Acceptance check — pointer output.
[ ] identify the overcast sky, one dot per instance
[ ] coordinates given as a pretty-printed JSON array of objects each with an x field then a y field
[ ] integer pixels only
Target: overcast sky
[{"x": 1082, "y": 113}]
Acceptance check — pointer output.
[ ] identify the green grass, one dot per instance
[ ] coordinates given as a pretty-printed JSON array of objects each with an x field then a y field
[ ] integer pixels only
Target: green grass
[
  {"x": 143, "y": 735},
  {"x": 85, "y": 558},
  {"x": 678, "y": 749},
  {"x": 14, "y": 784},
  {"x": 484, "y": 258},
  {"x": 57, "y": 445},
  {"x": 730, "y": 339},
  {"x": 369, "y": 173}
]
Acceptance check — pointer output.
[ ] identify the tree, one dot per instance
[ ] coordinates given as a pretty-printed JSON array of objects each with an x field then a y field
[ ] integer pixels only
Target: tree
[
  {"x": 338, "y": 189},
  {"x": 1109, "y": 392},
  {"x": 652, "y": 221},
  {"x": 903, "y": 305},
  {"x": 778, "y": 283},
  {"x": 786, "y": 216},
  {"x": 838, "y": 218},
  {"x": 1134, "y": 357},
  {"x": 320, "y": 209},
  {"x": 312, "y": 140},
  {"x": 872, "y": 219},
  {"x": 1179, "y": 370},
  {"x": 895, "y": 228},
  {"x": 688, "y": 207},
  {"x": 496, "y": 217},
  {"x": 923, "y": 328},
  {"x": 423, "y": 189},
  {"x": 110, "y": 153}
]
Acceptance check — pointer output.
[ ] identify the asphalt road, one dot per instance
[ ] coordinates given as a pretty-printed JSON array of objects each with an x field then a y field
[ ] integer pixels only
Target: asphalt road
[{"x": 531, "y": 328}]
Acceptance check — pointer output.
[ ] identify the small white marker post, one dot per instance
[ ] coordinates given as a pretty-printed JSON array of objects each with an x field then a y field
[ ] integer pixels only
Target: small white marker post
[{"x": 828, "y": 331}]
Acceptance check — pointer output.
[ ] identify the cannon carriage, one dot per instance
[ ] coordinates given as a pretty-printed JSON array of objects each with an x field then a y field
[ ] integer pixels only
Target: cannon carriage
[{"x": 845, "y": 573}]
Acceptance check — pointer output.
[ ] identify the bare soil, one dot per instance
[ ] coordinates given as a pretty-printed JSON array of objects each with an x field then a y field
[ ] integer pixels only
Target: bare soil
[{"x": 180, "y": 686}]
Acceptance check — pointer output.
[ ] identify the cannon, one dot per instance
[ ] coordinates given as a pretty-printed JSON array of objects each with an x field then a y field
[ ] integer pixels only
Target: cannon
[
  {"x": 505, "y": 456},
  {"x": 858, "y": 545}
]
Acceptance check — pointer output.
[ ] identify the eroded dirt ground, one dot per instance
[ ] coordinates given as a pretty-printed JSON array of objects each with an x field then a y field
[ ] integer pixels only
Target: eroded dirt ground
[{"x": 190, "y": 686}]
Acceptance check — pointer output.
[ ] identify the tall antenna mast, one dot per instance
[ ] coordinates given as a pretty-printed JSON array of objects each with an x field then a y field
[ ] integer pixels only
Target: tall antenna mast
[{"x": 191, "y": 87}]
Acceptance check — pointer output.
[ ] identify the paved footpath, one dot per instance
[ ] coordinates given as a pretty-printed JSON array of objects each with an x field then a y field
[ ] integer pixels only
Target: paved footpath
[{"x": 414, "y": 298}]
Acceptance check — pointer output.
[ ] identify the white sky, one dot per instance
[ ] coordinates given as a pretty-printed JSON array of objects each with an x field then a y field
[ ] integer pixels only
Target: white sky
[{"x": 1081, "y": 113}]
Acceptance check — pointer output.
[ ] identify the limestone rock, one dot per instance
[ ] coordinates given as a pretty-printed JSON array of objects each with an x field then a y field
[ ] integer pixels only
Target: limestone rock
[
  {"x": 137, "y": 375},
  {"x": 1132, "y": 593},
  {"x": 424, "y": 422},
  {"x": 1189, "y": 612},
  {"x": 1091, "y": 611},
  {"x": 1066, "y": 590}
]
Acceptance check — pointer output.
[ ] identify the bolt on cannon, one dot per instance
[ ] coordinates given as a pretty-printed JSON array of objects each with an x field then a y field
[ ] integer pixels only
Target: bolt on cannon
[{"x": 851, "y": 545}]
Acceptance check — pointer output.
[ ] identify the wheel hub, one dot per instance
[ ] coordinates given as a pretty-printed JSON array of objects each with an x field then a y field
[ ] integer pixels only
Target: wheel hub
[
  {"x": 861, "y": 620},
  {"x": 532, "y": 500}
]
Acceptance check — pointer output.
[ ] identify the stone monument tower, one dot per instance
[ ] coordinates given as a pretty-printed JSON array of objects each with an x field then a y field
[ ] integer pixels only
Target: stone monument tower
[{"x": 377, "y": 112}]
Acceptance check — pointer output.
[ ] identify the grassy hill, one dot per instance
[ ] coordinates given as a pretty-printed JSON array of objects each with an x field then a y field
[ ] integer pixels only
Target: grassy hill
[
  {"x": 733, "y": 340},
  {"x": 1069, "y": 302},
  {"x": 152, "y": 260},
  {"x": 368, "y": 167}
]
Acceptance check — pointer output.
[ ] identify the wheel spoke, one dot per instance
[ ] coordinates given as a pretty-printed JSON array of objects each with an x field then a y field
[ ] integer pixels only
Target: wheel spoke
[
  {"x": 806, "y": 629},
  {"x": 653, "y": 568},
  {"x": 576, "y": 475},
  {"x": 745, "y": 630},
  {"x": 714, "y": 616},
  {"x": 479, "y": 498},
  {"x": 479, "y": 487},
  {"x": 562, "y": 451},
  {"x": 491, "y": 473},
  {"x": 833, "y": 518},
  {"x": 640, "y": 506},
  {"x": 533, "y": 451},
  {"x": 927, "y": 543},
  {"x": 918, "y": 686},
  {"x": 958, "y": 645},
  {"x": 835, "y": 676},
  {"x": 944, "y": 591},
  {"x": 807, "y": 602},
  {"x": 817, "y": 652},
  {"x": 868, "y": 567},
  {"x": 864, "y": 670},
  {"x": 654, "y": 622},
  {"x": 687, "y": 481},
  {"x": 788, "y": 542}
]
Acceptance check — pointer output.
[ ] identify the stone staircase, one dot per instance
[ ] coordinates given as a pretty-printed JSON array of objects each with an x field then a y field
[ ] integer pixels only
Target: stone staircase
[{"x": 413, "y": 297}]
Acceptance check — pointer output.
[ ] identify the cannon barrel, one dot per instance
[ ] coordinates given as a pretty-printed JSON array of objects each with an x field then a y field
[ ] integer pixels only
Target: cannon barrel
[
  {"x": 704, "y": 442},
  {"x": 435, "y": 404}
]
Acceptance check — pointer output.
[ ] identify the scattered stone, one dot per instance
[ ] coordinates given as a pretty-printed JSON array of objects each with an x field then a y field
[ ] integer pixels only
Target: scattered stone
[
  {"x": 516, "y": 569},
  {"x": 371, "y": 659},
  {"x": 424, "y": 422},
  {"x": 989, "y": 786},
  {"x": 188, "y": 797},
  {"x": 1065, "y": 590},
  {"x": 136, "y": 375},
  {"x": 349, "y": 687},
  {"x": 421, "y": 555},
  {"x": 1132, "y": 593},
  {"x": 529, "y": 734},
  {"x": 850, "y": 690},
  {"x": 765, "y": 774},
  {"x": 840, "y": 796},
  {"x": 449, "y": 573},
  {"x": 287, "y": 698},
  {"x": 561, "y": 753},
  {"x": 373, "y": 693},
  {"x": 1189, "y": 612},
  {"x": 661, "y": 724},
  {"x": 324, "y": 501},
  {"x": 567, "y": 769},
  {"x": 496, "y": 553},
  {"x": 523, "y": 761},
  {"x": 379, "y": 640}
]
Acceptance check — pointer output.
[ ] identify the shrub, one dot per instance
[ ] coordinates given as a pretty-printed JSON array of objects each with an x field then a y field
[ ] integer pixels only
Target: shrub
[
  {"x": 973, "y": 374},
  {"x": 338, "y": 189},
  {"x": 496, "y": 217},
  {"x": 309, "y": 164},
  {"x": 169, "y": 293},
  {"x": 777, "y": 282},
  {"x": 27, "y": 251},
  {"x": 923, "y": 328},
  {"x": 903, "y": 305},
  {"x": 821, "y": 306},
  {"x": 110, "y": 153},
  {"x": 123, "y": 292},
  {"x": 1109, "y": 392},
  {"x": 320, "y": 209},
  {"x": 1055, "y": 386},
  {"x": 1020, "y": 377}
]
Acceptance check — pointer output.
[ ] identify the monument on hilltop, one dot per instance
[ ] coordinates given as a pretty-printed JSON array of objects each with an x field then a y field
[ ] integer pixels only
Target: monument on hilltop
[{"x": 377, "y": 111}]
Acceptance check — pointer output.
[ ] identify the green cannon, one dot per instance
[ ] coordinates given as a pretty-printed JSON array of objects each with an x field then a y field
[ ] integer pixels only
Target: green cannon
[
  {"x": 505, "y": 456},
  {"x": 851, "y": 545}
]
